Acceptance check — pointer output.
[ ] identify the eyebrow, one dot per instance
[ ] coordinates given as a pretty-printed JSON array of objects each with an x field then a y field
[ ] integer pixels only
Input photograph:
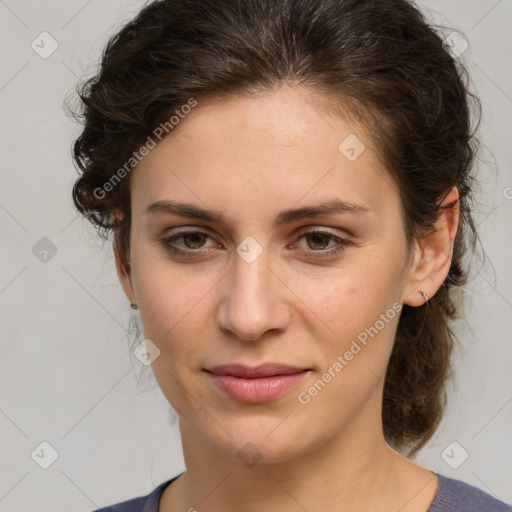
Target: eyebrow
[{"x": 285, "y": 217}]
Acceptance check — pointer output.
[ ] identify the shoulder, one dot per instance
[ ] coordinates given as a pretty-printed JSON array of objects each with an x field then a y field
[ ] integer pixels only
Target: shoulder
[
  {"x": 147, "y": 503},
  {"x": 455, "y": 495}
]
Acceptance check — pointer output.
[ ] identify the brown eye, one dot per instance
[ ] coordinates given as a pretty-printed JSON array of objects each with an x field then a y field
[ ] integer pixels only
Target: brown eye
[
  {"x": 196, "y": 239},
  {"x": 319, "y": 240},
  {"x": 192, "y": 243}
]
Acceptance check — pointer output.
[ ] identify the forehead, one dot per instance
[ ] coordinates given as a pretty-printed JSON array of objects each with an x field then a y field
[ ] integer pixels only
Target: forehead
[{"x": 273, "y": 147}]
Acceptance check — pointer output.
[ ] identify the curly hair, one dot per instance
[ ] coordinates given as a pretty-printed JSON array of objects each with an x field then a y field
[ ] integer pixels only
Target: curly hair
[{"x": 384, "y": 63}]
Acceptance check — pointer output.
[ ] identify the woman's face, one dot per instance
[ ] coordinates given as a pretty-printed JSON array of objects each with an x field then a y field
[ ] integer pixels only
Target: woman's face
[{"x": 261, "y": 286}]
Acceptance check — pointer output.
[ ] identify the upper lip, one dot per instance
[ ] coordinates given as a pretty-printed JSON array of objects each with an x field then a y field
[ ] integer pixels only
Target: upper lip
[{"x": 262, "y": 370}]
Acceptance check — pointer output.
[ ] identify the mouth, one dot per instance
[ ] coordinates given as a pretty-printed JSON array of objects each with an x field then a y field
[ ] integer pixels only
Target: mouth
[{"x": 256, "y": 384}]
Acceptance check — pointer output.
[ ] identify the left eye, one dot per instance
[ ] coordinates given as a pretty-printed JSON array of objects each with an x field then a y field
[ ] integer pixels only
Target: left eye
[
  {"x": 194, "y": 241},
  {"x": 318, "y": 238},
  {"x": 322, "y": 239}
]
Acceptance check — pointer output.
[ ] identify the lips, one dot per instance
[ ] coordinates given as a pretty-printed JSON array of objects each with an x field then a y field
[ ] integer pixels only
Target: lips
[
  {"x": 252, "y": 385},
  {"x": 252, "y": 372}
]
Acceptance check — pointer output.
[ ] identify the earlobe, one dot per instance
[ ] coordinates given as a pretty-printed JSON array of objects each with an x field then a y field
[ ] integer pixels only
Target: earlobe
[{"x": 434, "y": 252}]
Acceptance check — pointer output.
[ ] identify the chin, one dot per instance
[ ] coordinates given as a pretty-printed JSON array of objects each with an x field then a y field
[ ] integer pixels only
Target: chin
[{"x": 260, "y": 442}]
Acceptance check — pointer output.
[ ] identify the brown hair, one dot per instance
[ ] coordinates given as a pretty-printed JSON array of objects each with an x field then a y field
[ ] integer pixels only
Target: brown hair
[{"x": 383, "y": 62}]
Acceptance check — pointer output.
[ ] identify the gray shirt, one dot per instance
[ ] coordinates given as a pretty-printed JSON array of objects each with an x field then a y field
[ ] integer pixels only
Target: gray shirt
[{"x": 452, "y": 496}]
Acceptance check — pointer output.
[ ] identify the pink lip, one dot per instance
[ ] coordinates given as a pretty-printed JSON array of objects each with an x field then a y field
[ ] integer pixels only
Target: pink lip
[
  {"x": 256, "y": 384},
  {"x": 251, "y": 372}
]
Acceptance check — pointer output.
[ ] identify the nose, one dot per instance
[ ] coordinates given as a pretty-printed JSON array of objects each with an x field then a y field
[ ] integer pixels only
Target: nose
[{"x": 254, "y": 300}]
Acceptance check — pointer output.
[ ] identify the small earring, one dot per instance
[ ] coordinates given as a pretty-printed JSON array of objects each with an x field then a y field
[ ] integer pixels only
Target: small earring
[
  {"x": 424, "y": 295},
  {"x": 134, "y": 306}
]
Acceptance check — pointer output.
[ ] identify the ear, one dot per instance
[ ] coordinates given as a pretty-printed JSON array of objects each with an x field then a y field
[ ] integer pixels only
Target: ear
[
  {"x": 123, "y": 272},
  {"x": 124, "y": 275},
  {"x": 433, "y": 253}
]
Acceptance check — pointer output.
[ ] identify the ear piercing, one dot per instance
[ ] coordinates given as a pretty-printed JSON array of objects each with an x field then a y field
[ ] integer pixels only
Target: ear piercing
[{"x": 134, "y": 306}]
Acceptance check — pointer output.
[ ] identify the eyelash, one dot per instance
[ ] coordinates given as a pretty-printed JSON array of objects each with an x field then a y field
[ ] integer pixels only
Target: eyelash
[{"x": 172, "y": 249}]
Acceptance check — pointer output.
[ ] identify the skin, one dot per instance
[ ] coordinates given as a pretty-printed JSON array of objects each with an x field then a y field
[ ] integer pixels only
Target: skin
[{"x": 250, "y": 158}]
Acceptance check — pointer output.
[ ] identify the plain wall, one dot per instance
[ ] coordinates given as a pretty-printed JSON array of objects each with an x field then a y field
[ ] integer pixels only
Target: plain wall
[{"x": 66, "y": 375}]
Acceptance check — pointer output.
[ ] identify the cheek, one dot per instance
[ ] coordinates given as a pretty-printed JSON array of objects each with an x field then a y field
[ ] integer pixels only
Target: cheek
[
  {"x": 176, "y": 312},
  {"x": 356, "y": 305},
  {"x": 176, "y": 316},
  {"x": 348, "y": 300}
]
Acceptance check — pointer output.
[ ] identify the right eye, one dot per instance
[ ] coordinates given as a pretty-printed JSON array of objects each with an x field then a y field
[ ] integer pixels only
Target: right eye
[{"x": 193, "y": 240}]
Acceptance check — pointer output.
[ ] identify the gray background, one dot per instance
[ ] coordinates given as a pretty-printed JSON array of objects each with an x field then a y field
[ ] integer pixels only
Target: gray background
[{"x": 66, "y": 375}]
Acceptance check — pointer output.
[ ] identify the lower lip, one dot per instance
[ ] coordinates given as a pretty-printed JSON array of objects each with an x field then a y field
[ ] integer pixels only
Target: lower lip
[{"x": 256, "y": 390}]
